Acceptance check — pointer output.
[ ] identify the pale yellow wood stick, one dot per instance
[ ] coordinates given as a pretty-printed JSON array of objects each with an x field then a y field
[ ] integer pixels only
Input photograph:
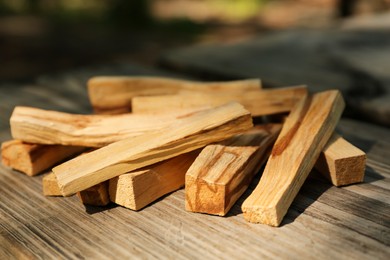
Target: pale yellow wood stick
[
  {"x": 113, "y": 94},
  {"x": 184, "y": 135},
  {"x": 51, "y": 127},
  {"x": 137, "y": 189},
  {"x": 222, "y": 172},
  {"x": 304, "y": 134},
  {"x": 259, "y": 103}
]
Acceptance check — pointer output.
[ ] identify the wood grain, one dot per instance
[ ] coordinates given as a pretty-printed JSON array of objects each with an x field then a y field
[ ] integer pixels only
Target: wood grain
[
  {"x": 222, "y": 172},
  {"x": 33, "y": 159},
  {"x": 186, "y": 134},
  {"x": 137, "y": 189},
  {"x": 341, "y": 162},
  {"x": 303, "y": 136},
  {"x": 113, "y": 94},
  {"x": 259, "y": 102},
  {"x": 51, "y": 127}
]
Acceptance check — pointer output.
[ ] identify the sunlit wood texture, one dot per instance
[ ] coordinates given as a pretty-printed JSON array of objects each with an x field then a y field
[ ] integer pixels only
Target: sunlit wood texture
[
  {"x": 222, "y": 172},
  {"x": 184, "y": 135},
  {"x": 304, "y": 134},
  {"x": 33, "y": 159},
  {"x": 137, "y": 189},
  {"x": 114, "y": 94},
  {"x": 51, "y": 127},
  {"x": 259, "y": 102}
]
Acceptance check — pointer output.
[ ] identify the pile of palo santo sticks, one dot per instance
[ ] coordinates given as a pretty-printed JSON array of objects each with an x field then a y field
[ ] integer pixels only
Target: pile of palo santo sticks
[{"x": 151, "y": 136}]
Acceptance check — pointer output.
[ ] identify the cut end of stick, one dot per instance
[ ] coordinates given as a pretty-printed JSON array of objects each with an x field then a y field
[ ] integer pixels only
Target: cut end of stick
[
  {"x": 50, "y": 185},
  {"x": 268, "y": 216},
  {"x": 341, "y": 162},
  {"x": 15, "y": 154},
  {"x": 353, "y": 174},
  {"x": 210, "y": 197}
]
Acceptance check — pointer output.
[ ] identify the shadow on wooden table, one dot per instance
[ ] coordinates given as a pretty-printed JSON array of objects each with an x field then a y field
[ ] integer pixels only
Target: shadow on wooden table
[{"x": 97, "y": 209}]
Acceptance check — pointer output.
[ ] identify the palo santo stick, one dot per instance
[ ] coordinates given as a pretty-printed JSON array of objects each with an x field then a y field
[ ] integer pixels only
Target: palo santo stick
[
  {"x": 51, "y": 127},
  {"x": 304, "y": 134},
  {"x": 222, "y": 172},
  {"x": 50, "y": 185},
  {"x": 96, "y": 195},
  {"x": 259, "y": 103},
  {"x": 341, "y": 162},
  {"x": 184, "y": 135},
  {"x": 114, "y": 94},
  {"x": 33, "y": 159},
  {"x": 138, "y": 189}
]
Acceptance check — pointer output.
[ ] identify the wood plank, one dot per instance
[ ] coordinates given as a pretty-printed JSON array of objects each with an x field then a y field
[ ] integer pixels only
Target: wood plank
[
  {"x": 96, "y": 195},
  {"x": 33, "y": 159},
  {"x": 137, "y": 189},
  {"x": 263, "y": 102},
  {"x": 341, "y": 162},
  {"x": 50, "y": 185},
  {"x": 184, "y": 135},
  {"x": 145, "y": 233},
  {"x": 113, "y": 94},
  {"x": 51, "y": 127},
  {"x": 303, "y": 136},
  {"x": 222, "y": 172}
]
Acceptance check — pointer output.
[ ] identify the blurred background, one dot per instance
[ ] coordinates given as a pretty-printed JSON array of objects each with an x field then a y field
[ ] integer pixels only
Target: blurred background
[{"x": 45, "y": 36}]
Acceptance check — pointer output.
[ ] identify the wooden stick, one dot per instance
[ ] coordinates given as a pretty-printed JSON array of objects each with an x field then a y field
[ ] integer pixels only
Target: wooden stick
[
  {"x": 341, "y": 162},
  {"x": 113, "y": 94},
  {"x": 186, "y": 134},
  {"x": 222, "y": 172},
  {"x": 304, "y": 134},
  {"x": 96, "y": 195},
  {"x": 50, "y": 185},
  {"x": 138, "y": 189},
  {"x": 33, "y": 159},
  {"x": 51, "y": 127},
  {"x": 259, "y": 103}
]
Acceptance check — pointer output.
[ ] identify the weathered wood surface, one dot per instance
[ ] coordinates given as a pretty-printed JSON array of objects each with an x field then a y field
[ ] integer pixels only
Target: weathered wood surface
[
  {"x": 356, "y": 61},
  {"x": 323, "y": 222}
]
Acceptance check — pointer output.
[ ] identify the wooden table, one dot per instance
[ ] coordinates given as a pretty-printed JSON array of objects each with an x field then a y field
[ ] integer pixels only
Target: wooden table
[{"x": 323, "y": 222}]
